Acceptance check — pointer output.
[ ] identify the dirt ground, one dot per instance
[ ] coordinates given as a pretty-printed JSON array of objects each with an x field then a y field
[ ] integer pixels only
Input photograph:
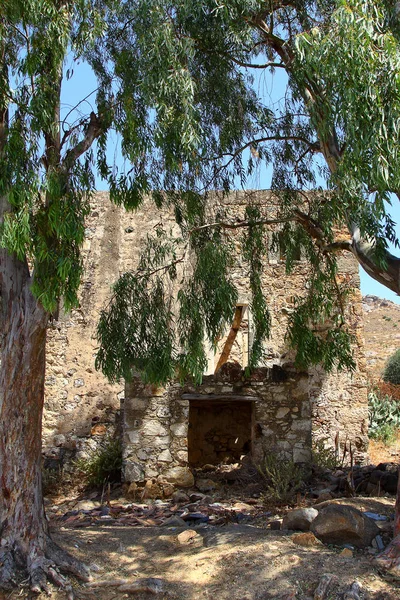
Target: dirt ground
[
  {"x": 379, "y": 452},
  {"x": 231, "y": 562}
]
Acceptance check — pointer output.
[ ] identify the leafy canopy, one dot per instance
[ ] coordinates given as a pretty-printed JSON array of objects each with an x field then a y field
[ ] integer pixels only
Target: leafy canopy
[
  {"x": 207, "y": 126},
  {"x": 179, "y": 81}
]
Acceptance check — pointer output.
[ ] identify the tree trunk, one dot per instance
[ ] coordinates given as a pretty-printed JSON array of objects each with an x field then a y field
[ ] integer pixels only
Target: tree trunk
[
  {"x": 25, "y": 543},
  {"x": 22, "y": 522}
]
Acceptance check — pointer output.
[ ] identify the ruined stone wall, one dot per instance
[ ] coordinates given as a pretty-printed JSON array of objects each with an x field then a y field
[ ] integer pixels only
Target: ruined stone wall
[
  {"x": 81, "y": 407},
  {"x": 290, "y": 412}
]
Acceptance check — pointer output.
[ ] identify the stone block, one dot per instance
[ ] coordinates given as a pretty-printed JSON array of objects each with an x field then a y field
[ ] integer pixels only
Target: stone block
[
  {"x": 301, "y": 425},
  {"x": 163, "y": 412},
  {"x": 154, "y": 428},
  {"x": 282, "y": 412},
  {"x": 179, "y": 429},
  {"x": 179, "y": 476},
  {"x": 165, "y": 456},
  {"x": 133, "y": 471},
  {"x": 133, "y": 437},
  {"x": 301, "y": 455},
  {"x": 151, "y": 471},
  {"x": 160, "y": 442}
]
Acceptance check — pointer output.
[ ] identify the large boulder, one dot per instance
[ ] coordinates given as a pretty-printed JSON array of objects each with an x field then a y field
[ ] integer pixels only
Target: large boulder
[
  {"x": 179, "y": 476},
  {"x": 299, "y": 519},
  {"x": 342, "y": 524}
]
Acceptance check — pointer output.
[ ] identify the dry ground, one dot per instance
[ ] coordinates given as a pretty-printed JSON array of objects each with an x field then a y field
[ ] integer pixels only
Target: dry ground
[{"x": 232, "y": 562}]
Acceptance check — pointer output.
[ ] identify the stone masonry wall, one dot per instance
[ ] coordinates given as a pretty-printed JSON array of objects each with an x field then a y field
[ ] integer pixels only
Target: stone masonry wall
[
  {"x": 81, "y": 408},
  {"x": 291, "y": 411}
]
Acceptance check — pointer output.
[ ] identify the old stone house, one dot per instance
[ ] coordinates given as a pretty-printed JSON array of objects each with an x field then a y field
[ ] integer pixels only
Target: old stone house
[{"x": 165, "y": 432}]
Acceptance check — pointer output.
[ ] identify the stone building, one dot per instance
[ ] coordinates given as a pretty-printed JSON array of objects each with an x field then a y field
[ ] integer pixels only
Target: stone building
[{"x": 166, "y": 432}]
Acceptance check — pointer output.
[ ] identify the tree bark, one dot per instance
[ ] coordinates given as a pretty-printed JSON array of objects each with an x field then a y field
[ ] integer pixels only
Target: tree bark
[
  {"x": 26, "y": 547},
  {"x": 23, "y": 526}
]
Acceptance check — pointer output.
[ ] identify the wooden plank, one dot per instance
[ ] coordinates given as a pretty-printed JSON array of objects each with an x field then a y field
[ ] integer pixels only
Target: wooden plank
[
  {"x": 222, "y": 397},
  {"x": 237, "y": 319}
]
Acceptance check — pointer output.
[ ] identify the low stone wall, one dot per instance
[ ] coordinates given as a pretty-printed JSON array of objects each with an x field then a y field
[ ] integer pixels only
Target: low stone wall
[{"x": 156, "y": 421}]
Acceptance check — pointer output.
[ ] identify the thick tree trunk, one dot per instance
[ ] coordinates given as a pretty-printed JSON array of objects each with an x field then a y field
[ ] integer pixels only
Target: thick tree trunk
[
  {"x": 26, "y": 547},
  {"x": 22, "y": 522}
]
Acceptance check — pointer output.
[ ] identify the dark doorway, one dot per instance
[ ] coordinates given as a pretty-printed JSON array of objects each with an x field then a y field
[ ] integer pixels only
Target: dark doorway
[{"x": 220, "y": 431}]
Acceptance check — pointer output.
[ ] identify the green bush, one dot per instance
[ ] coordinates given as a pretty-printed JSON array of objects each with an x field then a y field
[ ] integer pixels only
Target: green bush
[
  {"x": 103, "y": 465},
  {"x": 283, "y": 478},
  {"x": 323, "y": 455},
  {"x": 384, "y": 416},
  {"x": 391, "y": 372}
]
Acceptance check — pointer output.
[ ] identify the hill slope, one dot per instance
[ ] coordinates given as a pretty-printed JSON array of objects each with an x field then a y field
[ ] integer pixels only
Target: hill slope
[{"x": 382, "y": 332}]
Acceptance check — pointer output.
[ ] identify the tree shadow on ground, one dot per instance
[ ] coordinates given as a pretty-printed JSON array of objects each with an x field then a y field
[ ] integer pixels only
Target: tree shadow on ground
[{"x": 234, "y": 562}]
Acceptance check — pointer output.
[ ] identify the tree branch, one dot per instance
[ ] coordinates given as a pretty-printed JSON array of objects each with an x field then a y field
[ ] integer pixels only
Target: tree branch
[
  {"x": 241, "y": 224},
  {"x": 93, "y": 131}
]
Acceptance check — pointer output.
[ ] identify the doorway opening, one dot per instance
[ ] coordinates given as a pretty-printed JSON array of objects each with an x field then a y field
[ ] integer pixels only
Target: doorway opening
[{"x": 220, "y": 430}]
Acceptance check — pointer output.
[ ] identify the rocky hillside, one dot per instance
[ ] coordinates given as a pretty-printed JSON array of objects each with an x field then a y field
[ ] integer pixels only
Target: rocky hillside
[{"x": 382, "y": 332}]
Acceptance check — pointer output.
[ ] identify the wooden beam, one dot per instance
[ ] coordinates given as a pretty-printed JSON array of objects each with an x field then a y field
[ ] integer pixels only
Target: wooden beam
[
  {"x": 220, "y": 397},
  {"x": 237, "y": 319}
]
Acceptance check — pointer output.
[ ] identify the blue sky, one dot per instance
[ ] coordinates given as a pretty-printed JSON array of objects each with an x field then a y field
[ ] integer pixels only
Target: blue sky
[{"x": 83, "y": 83}]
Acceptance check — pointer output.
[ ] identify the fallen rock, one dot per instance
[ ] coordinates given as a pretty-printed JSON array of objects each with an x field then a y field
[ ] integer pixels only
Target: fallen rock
[
  {"x": 180, "y": 497},
  {"x": 353, "y": 593},
  {"x": 306, "y": 538},
  {"x": 179, "y": 476},
  {"x": 190, "y": 537},
  {"x": 341, "y": 524},
  {"x": 276, "y": 524},
  {"x": 174, "y": 521},
  {"x": 324, "y": 586},
  {"x": 299, "y": 519},
  {"x": 196, "y": 497},
  {"x": 196, "y": 517},
  {"x": 206, "y": 485},
  {"x": 346, "y": 553},
  {"x": 86, "y": 505}
]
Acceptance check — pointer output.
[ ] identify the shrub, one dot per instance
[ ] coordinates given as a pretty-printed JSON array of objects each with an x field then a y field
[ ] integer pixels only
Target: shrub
[
  {"x": 323, "y": 455},
  {"x": 103, "y": 465},
  {"x": 283, "y": 478},
  {"x": 391, "y": 372},
  {"x": 384, "y": 416}
]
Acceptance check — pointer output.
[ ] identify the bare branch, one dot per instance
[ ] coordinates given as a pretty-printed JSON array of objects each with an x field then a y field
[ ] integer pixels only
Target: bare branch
[
  {"x": 241, "y": 224},
  {"x": 163, "y": 268},
  {"x": 94, "y": 130}
]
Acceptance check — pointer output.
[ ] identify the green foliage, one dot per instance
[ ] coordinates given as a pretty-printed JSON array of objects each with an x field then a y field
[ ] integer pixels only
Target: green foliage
[
  {"x": 385, "y": 433},
  {"x": 323, "y": 455},
  {"x": 384, "y": 416},
  {"x": 103, "y": 465},
  {"x": 140, "y": 329},
  {"x": 177, "y": 83},
  {"x": 391, "y": 372},
  {"x": 283, "y": 478}
]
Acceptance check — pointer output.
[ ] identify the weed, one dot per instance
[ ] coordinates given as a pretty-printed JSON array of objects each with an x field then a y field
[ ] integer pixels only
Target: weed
[
  {"x": 324, "y": 456},
  {"x": 103, "y": 465},
  {"x": 385, "y": 434},
  {"x": 283, "y": 478},
  {"x": 384, "y": 416},
  {"x": 52, "y": 480}
]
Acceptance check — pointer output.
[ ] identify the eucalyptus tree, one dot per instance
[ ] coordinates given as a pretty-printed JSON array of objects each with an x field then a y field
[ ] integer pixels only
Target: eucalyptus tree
[
  {"x": 175, "y": 82},
  {"x": 202, "y": 124},
  {"x": 46, "y": 177}
]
